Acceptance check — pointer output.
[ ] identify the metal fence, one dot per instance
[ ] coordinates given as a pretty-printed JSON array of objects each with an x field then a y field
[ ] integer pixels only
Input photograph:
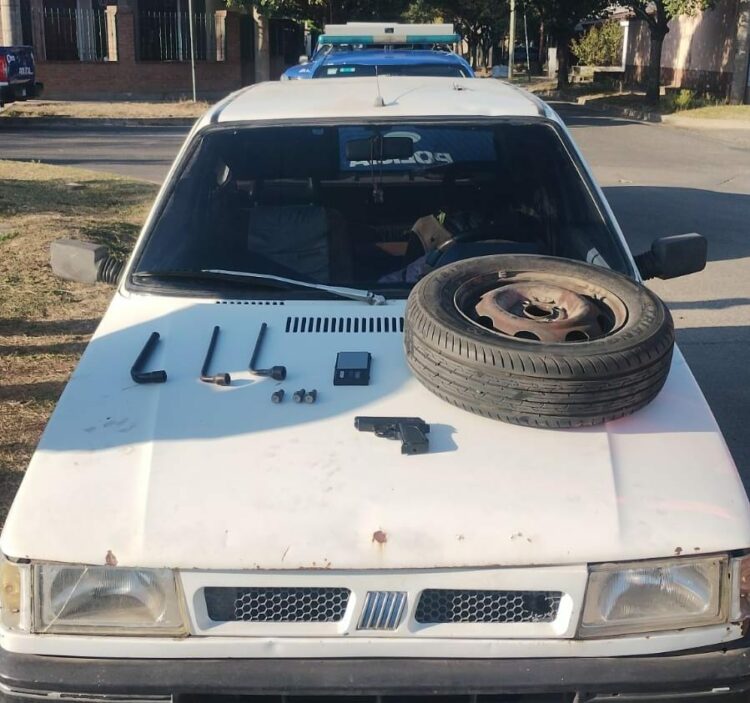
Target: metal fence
[
  {"x": 165, "y": 36},
  {"x": 75, "y": 34}
]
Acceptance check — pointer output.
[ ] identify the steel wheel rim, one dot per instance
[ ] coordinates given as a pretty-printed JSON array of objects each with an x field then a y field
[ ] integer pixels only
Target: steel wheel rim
[{"x": 541, "y": 307}]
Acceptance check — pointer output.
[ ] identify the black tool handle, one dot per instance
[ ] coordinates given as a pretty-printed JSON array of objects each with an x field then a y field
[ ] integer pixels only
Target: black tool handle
[
  {"x": 258, "y": 344},
  {"x": 278, "y": 373},
  {"x": 136, "y": 371},
  {"x": 220, "y": 379}
]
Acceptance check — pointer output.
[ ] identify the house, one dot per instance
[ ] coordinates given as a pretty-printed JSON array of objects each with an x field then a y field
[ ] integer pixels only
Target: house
[
  {"x": 706, "y": 52},
  {"x": 141, "y": 48}
]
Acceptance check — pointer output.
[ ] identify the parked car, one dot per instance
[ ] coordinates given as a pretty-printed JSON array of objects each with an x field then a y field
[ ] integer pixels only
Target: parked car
[
  {"x": 17, "y": 74},
  {"x": 366, "y": 49},
  {"x": 381, "y": 407},
  {"x": 519, "y": 54}
]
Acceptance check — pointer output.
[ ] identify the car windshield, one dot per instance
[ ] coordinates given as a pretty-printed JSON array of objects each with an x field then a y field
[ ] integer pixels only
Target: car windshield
[
  {"x": 371, "y": 207},
  {"x": 355, "y": 70}
]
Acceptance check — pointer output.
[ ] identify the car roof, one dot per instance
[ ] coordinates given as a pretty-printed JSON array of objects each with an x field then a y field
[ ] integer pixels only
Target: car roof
[
  {"x": 354, "y": 98},
  {"x": 403, "y": 57}
]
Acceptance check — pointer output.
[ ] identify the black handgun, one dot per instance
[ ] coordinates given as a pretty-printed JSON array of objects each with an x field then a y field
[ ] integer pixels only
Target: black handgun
[{"x": 411, "y": 431}]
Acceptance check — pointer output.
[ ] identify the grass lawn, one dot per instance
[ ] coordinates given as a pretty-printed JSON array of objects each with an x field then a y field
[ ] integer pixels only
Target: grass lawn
[
  {"x": 45, "y": 322},
  {"x": 105, "y": 110},
  {"x": 720, "y": 112}
]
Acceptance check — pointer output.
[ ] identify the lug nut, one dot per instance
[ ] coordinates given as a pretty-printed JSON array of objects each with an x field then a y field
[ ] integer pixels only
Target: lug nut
[
  {"x": 299, "y": 395},
  {"x": 311, "y": 396},
  {"x": 277, "y": 396}
]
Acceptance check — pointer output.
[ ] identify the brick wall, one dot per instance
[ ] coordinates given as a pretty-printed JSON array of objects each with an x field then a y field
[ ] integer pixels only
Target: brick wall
[{"x": 128, "y": 77}]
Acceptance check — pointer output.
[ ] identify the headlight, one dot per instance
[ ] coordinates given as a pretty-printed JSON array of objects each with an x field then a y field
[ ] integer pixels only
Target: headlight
[
  {"x": 654, "y": 595},
  {"x": 106, "y": 600}
]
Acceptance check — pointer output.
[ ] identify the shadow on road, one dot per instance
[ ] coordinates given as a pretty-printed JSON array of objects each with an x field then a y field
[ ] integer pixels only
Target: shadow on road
[{"x": 648, "y": 212}]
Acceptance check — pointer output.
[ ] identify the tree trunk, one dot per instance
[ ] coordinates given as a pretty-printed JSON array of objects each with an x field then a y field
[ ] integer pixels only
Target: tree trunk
[
  {"x": 541, "y": 43},
  {"x": 262, "y": 47},
  {"x": 563, "y": 61},
  {"x": 653, "y": 77}
]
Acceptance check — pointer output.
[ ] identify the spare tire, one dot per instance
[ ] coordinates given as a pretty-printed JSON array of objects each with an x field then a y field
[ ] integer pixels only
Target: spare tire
[{"x": 537, "y": 340}]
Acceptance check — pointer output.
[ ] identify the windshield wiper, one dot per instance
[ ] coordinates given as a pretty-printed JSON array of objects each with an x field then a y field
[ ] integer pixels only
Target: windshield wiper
[
  {"x": 277, "y": 281},
  {"x": 366, "y": 296}
]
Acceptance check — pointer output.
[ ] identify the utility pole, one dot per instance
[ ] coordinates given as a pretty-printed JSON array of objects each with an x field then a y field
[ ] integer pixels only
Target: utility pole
[
  {"x": 526, "y": 35},
  {"x": 192, "y": 45},
  {"x": 511, "y": 38}
]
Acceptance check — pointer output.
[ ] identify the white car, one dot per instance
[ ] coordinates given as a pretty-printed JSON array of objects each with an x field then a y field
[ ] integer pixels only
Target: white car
[{"x": 414, "y": 261}]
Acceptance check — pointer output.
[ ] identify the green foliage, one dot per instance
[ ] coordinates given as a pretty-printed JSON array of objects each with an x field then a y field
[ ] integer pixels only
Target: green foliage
[
  {"x": 562, "y": 16},
  {"x": 600, "y": 46},
  {"x": 320, "y": 12},
  {"x": 686, "y": 100},
  {"x": 420, "y": 11}
]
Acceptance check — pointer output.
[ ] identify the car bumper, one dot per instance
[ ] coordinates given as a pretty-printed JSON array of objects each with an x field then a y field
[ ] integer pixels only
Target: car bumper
[{"x": 716, "y": 675}]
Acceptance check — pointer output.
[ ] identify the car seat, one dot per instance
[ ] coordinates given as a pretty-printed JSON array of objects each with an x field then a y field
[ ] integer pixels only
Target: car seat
[{"x": 296, "y": 237}]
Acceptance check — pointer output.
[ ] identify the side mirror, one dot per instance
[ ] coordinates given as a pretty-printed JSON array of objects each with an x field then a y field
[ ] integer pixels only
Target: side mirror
[
  {"x": 303, "y": 59},
  {"x": 84, "y": 262},
  {"x": 674, "y": 256}
]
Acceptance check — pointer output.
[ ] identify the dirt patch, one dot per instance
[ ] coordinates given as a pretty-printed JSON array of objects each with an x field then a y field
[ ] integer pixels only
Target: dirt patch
[
  {"x": 106, "y": 110},
  {"x": 45, "y": 323}
]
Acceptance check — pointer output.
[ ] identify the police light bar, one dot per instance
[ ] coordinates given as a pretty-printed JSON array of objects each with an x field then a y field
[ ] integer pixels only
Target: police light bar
[{"x": 384, "y": 33}]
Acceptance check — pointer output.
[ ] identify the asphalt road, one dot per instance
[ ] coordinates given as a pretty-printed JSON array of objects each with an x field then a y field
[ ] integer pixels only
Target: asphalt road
[
  {"x": 660, "y": 180},
  {"x": 137, "y": 152}
]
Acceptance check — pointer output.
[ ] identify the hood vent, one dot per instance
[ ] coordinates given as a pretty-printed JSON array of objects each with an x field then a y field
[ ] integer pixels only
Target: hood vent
[
  {"x": 249, "y": 302},
  {"x": 338, "y": 325}
]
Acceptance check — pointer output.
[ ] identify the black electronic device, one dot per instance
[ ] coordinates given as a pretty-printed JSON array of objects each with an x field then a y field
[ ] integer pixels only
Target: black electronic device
[{"x": 352, "y": 369}]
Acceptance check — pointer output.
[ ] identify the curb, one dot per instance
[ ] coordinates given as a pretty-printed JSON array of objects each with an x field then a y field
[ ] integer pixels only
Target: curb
[
  {"x": 632, "y": 113},
  {"x": 84, "y": 122}
]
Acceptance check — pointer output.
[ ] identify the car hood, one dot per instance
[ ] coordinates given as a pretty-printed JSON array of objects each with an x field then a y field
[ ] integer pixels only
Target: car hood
[{"x": 190, "y": 475}]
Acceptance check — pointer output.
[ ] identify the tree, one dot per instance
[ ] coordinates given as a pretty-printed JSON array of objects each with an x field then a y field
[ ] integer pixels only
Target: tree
[
  {"x": 600, "y": 46},
  {"x": 560, "y": 18},
  {"x": 262, "y": 11},
  {"x": 481, "y": 23},
  {"x": 657, "y": 15}
]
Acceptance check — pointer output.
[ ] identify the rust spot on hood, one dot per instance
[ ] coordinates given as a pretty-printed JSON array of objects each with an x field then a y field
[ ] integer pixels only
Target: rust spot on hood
[
  {"x": 110, "y": 559},
  {"x": 379, "y": 536}
]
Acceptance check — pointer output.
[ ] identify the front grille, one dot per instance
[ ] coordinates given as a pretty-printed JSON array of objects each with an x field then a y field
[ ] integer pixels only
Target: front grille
[
  {"x": 459, "y": 606},
  {"x": 276, "y": 604},
  {"x": 382, "y": 610}
]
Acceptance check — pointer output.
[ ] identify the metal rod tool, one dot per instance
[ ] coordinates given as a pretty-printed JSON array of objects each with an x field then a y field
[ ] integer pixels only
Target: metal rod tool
[
  {"x": 278, "y": 373},
  {"x": 220, "y": 379},
  {"x": 136, "y": 370}
]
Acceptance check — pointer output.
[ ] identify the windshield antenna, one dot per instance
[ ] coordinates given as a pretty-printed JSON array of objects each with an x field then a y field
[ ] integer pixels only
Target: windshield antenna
[{"x": 379, "y": 102}]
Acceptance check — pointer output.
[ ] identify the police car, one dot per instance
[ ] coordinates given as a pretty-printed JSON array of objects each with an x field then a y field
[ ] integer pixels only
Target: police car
[{"x": 359, "y": 49}]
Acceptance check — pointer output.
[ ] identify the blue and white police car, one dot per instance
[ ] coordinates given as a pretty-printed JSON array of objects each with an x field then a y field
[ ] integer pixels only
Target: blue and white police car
[{"x": 358, "y": 49}]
